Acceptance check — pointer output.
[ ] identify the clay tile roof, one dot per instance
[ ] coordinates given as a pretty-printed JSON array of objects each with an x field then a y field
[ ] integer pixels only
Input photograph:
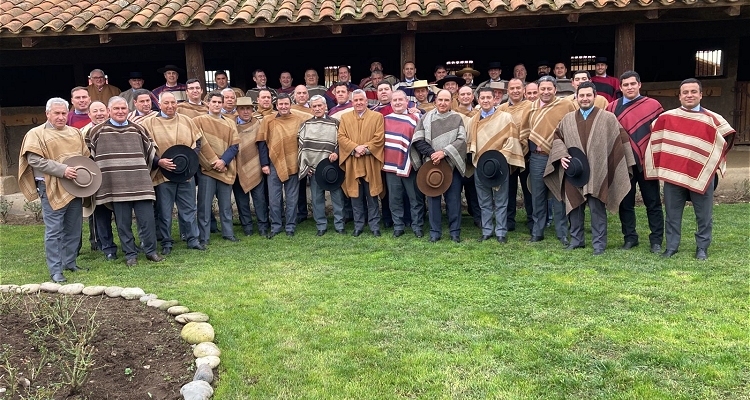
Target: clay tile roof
[{"x": 38, "y": 16}]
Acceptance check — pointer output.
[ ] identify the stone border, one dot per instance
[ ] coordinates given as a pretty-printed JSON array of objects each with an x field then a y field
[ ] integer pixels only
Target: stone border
[{"x": 196, "y": 330}]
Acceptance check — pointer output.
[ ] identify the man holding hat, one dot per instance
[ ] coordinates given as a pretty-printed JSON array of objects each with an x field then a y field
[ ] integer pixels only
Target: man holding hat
[
  {"x": 135, "y": 80},
  {"x": 589, "y": 139},
  {"x": 493, "y": 133},
  {"x": 171, "y": 129},
  {"x": 318, "y": 142},
  {"x": 440, "y": 138},
  {"x": 171, "y": 74},
  {"x": 607, "y": 86},
  {"x": 250, "y": 181},
  {"x": 41, "y": 170}
]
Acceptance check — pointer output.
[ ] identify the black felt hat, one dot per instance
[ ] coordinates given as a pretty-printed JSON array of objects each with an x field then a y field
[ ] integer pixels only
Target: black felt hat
[
  {"x": 433, "y": 180},
  {"x": 495, "y": 64},
  {"x": 578, "y": 170},
  {"x": 601, "y": 60},
  {"x": 451, "y": 78},
  {"x": 88, "y": 177},
  {"x": 492, "y": 168},
  {"x": 329, "y": 175},
  {"x": 185, "y": 163},
  {"x": 135, "y": 75},
  {"x": 171, "y": 67}
]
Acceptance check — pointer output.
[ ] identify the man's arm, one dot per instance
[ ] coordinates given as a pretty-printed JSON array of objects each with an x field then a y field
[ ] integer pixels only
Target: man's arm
[{"x": 45, "y": 165}]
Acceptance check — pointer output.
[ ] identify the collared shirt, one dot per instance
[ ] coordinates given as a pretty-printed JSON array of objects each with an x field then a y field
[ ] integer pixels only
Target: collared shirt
[
  {"x": 161, "y": 113},
  {"x": 241, "y": 121},
  {"x": 223, "y": 111},
  {"x": 115, "y": 123},
  {"x": 360, "y": 114},
  {"x": 407, "y": 80},
  {"x": 485, "y": 114},
  {"x": 586, "y": 113},
  {"x": 80, "y": 112},
  {"x": 626, "y": 100}
]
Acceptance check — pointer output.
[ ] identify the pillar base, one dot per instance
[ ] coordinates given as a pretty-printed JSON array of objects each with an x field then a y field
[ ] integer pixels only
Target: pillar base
[{"x": 8, "y": 185}]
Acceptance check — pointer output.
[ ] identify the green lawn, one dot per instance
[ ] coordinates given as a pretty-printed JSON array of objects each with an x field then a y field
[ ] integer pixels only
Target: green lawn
[{"x": 362, "y": 318}]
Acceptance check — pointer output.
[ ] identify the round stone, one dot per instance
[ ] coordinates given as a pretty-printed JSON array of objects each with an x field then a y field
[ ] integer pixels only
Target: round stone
[
  {"x": 204, "y": 373},
  {"x": 113, "y": 291},
  {"x": 146, "y": 298},
  {"x": 94, "y": 290},
  {"x": 206, "y": 349},
  {"x": 192, "y": 317},
  {"x": 197, "y": 390},
  {"x": 169, "y": 303},
  {"x": 8, "y": 288},
  {"x": 73, "y": 288},
  {"x": 49, "y": 287},
  {"x": 132, "y": 293},
  {"x": 197, "y": 332},
  {"x": 30, "y": 288},
  {"x": 156, "y": 303},
  {"x": 211, "y": 361},
  {"x": 177, "y": 310}
]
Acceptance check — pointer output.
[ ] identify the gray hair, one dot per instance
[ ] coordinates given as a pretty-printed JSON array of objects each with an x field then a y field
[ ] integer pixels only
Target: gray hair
[
  {"x": 523, "y": 84},
  {"x": 54, "y": 102},
  {"x": 359, "y": 91},
  {"x": 401, "y": 92},
  {"x": 96, "y": 70},
  {"x": 547, "y": 78},
  {"x": 316, "y": 98},
  {"x": 116, "y": 99},
  {"x": 162, "y": 94},
  {"x": 225, "y": 90}
]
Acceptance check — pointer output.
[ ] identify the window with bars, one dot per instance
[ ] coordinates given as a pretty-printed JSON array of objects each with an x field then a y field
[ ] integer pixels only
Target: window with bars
[
  {"x": 708, "y": 63},
  {"x": 211, "y": 79},
  {"x": 456, "y": 65},
  {"x": 582, "y": 63}
]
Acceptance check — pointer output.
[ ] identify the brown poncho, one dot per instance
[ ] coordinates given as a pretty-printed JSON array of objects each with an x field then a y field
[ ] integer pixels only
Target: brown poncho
[
  {"x": 248, "y": 159},
  {"x": 168, "y": 132},
  {"x": 192, "y": 110},
  {"x": 218, "y": 135},
  {"x": 368, "y": 130},
  {"x": 280, "y": 134},
  {"x": 496, "y": 132},
  {"x": 517, "y": 111},
  {"x": 607, "y": 147},
  {"x": 538, "y": 122}
]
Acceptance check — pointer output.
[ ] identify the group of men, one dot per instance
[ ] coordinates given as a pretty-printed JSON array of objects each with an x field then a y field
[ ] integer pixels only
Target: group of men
[{"x": 567, "y": 146}]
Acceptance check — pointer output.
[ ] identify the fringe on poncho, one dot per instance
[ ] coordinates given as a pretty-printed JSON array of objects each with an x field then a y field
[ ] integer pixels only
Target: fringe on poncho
[{"x": 318, "y": 138}]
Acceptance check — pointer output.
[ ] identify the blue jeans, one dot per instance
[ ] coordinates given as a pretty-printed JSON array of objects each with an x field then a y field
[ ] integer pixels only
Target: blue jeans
[
  {"x": 182, "y": 194},
  {"x": 493, "y": 202},
  {"x": 62, "y": 232},
  {"x": 207, "y": 186},
  {"x": 290, "y": 188}
]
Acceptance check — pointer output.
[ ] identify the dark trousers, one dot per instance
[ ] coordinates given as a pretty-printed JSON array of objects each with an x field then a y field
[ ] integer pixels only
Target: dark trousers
[
  {"x": 513, "y": 193},
  {"x": 652, "y": 201},
  {"x": 674, "y": 205},
  {"x": 182, "y": 195},
  {"x": 103, "y": 226},
  {"x": 260, "y": 202},
  {"x": 598, "y": 224},
  {"x": 358, "y": 208},
  {"x": 302, "y": 212},
  {"x": 453, "y": 208},
  {"x": 472, "y": 203},
  {"x": 144, "y": 217}
]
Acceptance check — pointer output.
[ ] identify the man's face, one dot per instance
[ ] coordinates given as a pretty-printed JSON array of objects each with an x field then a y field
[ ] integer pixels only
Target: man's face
[
  {"x": 136, "y": 83},
  {"x": 532, "y": 92},
  {"x": 577, "y": 79},
  {"x": 494, "y": 73},
  {"x": 690, "y": 95},
  {"x": 560, "y": 70},
  {"x": 168, "y": 104},
  {"x": 376, "y": 65},
  {"x": 284, "y": 106},
  {"x": 311, "y": 77},
  {"x": 245, "y": 112},
  {"x": 342, "y": 94},
  {"x": 215, "y": 103},
  {"x": 360, "y": 102},
  {"x": 97, "y": 78},
  {"x": 585, "y": 98},
  {"x": 451, "y": 87},
  {"x": 468, "y": 77},
  {"x": 171, "y": 77},
  {"x": 260, "y": 79},
  {"x": 547, "y": 91},
  {"x": 221, "y": 81},
  {"x": 498, "y": 95},
  {"x": 465, "y": 96},
  {"x": 384, "y": 93},
  {"x": 399, "y": 103},
  {"x": 421, "y": 94},
  {"x": 409, "y": 70},
  {"x": 542, "y": 70},
  {"x": 81, "y": 100},
  {"x": 486, "y": 100},
  {"x": 601, "y": 69},
  {"x": 440, "y": 74},
  {"x": 443, "y": 101},
  {"x": 285, "y": 79},
  {"x": 301, "y": 95},
  {"x": 265, "y": 100},
  {"x": 376, "y": 79},
  {"x": 343, "y": 74},
  {"x": 143, "y": 103},
  {"x": 230, "y": 100},
  {"x": 118, "y": 111},
  {"x": 319, "y": 108},
  {"x": 98, "y": 112},
  {"x": 631, "y": 88},
  {"x": 194, "y": 92},
  {"x": 57, "y": 116},
  {"x": 515, "y": 91},
  {"x": 519, "y": 71}
]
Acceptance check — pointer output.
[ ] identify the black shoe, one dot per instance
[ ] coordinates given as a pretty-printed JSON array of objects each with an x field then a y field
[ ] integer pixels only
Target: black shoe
[
  {"x": 272, "y": 234},
  {"x": 165, "y": 251},
  {"x": 629, "y": 245},
  {"x": 376, "y": 233},
  {"x": 668, "y": 253},
  {"x": 388, "y": 224},
  {"x": 478, "y": 223},
  {"x": 58, "y": 278},
  {"x": 535, "y": 239},
  {"x": 199, "y": 246},
  {"x": 110, "y": 257},
  {"x": 183, "y": 237},
  {"x": 484, "y": 237},
  {"x": 701, "y": 253},
  {"x": 565, "y": 242},
  {"x": 76, "y": 268},
  {"x": 214, "y": 230},
  {"x": 321, "y": 232},
  {"x": 398, "y": 233},
  {"x": 341, "y": 231},
  {"x": 456, "y": 238},
  {"x": 573, "y": 247},
  {"x": 357, "y": 232},
  {"x": 656, "y": 248},
  {"x": 204, "y": 243},
  {"x": 502, "y": 239},
  {"x": 419, "y": 234},
  {"x": 434, "y": 239},
  {"x": 230, "y": 238},
  {"x": 598, "y": 252},
  {"x": 249, "y": 233},
  {"x": 263, "y": 233},
  {"x": 301, "y": 220},
  {"x": 290, "y": 233},
  {"x": 155, "y": 258}
]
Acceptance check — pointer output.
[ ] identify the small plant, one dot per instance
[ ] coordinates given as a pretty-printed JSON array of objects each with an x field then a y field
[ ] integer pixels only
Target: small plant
[
  {"x": 129, "y": 373},
  {"x": 5, "y": 207},
  {"x": 35, "y": 207}
]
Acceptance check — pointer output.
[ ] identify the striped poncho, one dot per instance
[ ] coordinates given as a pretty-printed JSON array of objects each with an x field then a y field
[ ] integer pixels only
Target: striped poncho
[
  {"x": 495, "y": 132},
  {"x": 442, "y": 131},
  {"x": 636, "y": 117},
  {"x": 318, "y": 138},
  {"x": 399, "y": 129},
  {"x": 539, "y": 121}
]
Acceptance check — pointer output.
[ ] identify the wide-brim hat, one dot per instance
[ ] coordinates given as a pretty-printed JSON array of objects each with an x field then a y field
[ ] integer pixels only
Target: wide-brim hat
[
  {"x": 135, "y": 75},
  {"x": 244, "y": 101},
  {"x": 492, "y": 168},
  {"x": 451, "y": 78},
  {"x": 494, "y": 65},
  {"x": 88, "y": 177},
  {"x": 433, "y": 180},
  {"x": 420, "y": 84},
  {"x": 578, "y": 171},
  {"x": 171, "y": 67},
  {"x": 89, "y": 204},
  {"x": 329, "y": 175},
  {"x": 497, "y": 85},
  {"x": 185, "y": 163},
  {"x": 543, "y": 63},
  {"x": 465, "y": 70}
]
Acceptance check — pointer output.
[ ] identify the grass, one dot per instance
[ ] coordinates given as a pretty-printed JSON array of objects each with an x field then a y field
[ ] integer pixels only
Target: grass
[{"x": 343, "y": 317}]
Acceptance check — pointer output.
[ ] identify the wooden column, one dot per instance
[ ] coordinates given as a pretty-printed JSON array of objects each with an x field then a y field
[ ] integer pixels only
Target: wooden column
[
  {"x": 408, "y": 48},
  {"x": 196, "y": 67},
  {"x": 624, "y": 48}
]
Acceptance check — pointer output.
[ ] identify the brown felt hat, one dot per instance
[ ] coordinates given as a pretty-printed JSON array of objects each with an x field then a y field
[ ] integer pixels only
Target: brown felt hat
[
  {"x": 88, "y": 179},
  {"x": 433, "y": 180}
]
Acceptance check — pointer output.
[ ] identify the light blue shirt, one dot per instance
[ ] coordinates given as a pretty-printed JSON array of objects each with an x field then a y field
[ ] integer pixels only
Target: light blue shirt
[
  {"x": 696, "y": 108},
  {"x": 163, "y": 115},
  {"x": 115, "y": 123},
  {"x": 488, "y": 113},
  {"x": 626, "y": 100},
  {"x": 586, "y": 113}
]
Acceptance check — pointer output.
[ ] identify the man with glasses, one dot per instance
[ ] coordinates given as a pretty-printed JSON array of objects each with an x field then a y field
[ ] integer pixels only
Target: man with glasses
[{"x": 99, "y": 89}]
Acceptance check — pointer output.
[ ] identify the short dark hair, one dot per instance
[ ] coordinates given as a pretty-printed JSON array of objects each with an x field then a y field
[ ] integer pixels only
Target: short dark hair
[
  {"x": 221, "y": 73},
  {"x": 140, "y": 92},
  {"x": 192, "y": 80},
  {"x": 215, "y": 94},
  {"x": 384, "y": 83},
  {"x": 582, "y": 71},
  {"x": 265, "y": 90},
  {"x": 630, "y": 74},
  {"x": 586, "y": 85},
  {"x": 77, "y": 88},
  {"x": 523, "y": 84},
  {"x": 486, "y": 89},
  {"x": 344, "y": 66},
  {"x": 692, "y": 80},
  {"x": 283, "y": 96},
  {"x": 547, "y": 78},
  {"x": 256, "y": 72},
  {"x": 337, "y": 84},
  {"x": 439, "y": 66}
]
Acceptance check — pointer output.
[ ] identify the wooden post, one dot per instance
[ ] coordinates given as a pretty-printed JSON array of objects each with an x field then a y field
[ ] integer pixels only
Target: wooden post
[
  {"x": 196, "y": 67},
  {"x": 624, "y": 48},
  {"x": 408, "y": 47}
]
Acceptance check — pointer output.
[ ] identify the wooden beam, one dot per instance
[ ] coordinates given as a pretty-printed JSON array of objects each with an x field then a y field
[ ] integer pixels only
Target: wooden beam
[
  {"x": 624, "y": 48},
  {"x": 335, "y": 29},
  {"x": 492, "y": 22},
  {"x": 652, "y": 14},
  {"x": 196, "y": 67},
  {"x": 22, "y": 119},
  {"x": 411, "y": 25},
  {"x": 182, "y": 36},
  {"x": 408, "y": 47},
  {"x": 29, "y": 42},
  {"x": 573, "y": 18},
  {"x": 260, "y": 32},
  {"x": 104, "y": 38},
  {"x": 733, "y": 11}
]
